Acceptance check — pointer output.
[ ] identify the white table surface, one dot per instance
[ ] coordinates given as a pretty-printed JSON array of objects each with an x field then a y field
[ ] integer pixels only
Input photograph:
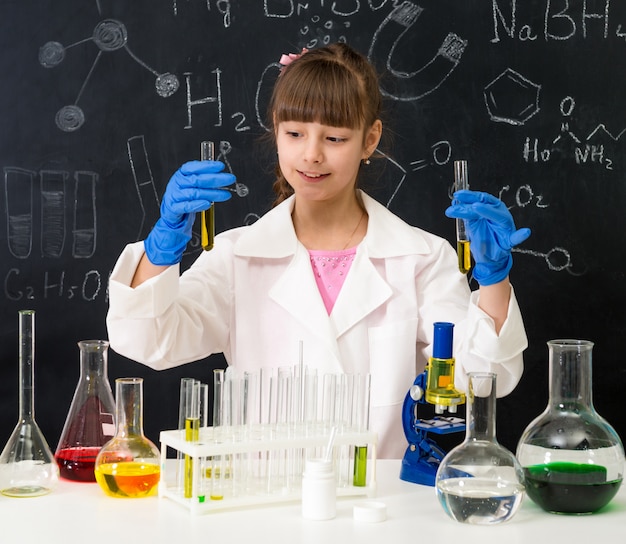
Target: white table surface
[{"x": 81, "y": 512}]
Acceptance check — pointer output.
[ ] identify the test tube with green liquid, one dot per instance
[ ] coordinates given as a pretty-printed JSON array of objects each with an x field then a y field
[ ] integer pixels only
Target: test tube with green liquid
[
  {"x": 361, "y": 419},
  {"x": 207, "y": 217},
  {"x": 462, "y": 241}
]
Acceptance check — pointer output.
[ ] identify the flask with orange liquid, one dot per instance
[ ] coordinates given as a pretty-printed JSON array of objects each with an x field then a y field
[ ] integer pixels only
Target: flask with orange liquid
[{"x": 128, "y": 465}]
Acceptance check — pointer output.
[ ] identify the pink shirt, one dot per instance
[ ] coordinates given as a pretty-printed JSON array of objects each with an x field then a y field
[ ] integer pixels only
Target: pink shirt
[{"x": 330, "y": 269}]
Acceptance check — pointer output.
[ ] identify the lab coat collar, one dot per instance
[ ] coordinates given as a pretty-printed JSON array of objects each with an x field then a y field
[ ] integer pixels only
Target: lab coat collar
[{"x": 273, "y": 235}]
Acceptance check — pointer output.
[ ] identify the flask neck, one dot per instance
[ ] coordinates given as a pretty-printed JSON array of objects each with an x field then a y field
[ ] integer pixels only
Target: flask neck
[
  {"x": 481, "y": 407},
  {"x": 27, "y": 360},
  {"x": 570, "y": 373},
  {"x": 129, "y": 407},
  {"x": 93, "y": 358}
]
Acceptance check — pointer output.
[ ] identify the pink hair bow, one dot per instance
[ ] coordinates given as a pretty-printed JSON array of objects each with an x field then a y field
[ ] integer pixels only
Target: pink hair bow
[{"x": 286, "y": 60}]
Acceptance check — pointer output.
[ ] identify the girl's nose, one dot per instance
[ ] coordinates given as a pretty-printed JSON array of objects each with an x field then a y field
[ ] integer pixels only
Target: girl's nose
[{"x": 313, "y": 152}]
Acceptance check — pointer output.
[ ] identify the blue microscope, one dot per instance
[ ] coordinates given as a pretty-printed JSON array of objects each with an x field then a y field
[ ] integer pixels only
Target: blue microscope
[{"x": 433, "y": 386}]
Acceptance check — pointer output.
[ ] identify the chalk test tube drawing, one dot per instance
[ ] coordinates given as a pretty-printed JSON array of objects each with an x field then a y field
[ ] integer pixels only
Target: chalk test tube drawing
[
  {"x": 18, "y": 201},
  {"x": 144, "y": 183},
  {"x": 511, "y": 98},
  {"x": 53, "y": 224},
  {"x": 408, "y": 86},
  {"x": 109, "y": 35},
  {"x": 84, "y": 232}
]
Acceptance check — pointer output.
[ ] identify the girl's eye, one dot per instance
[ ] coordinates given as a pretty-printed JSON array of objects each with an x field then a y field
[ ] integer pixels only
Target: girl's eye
[
  {"x": 336, "y": 139},
  {"x": 293, "y": 133}
]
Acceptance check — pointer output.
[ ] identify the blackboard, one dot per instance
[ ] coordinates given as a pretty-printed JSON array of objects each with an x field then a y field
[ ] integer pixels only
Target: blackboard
[{"x": 102, "y": 100}]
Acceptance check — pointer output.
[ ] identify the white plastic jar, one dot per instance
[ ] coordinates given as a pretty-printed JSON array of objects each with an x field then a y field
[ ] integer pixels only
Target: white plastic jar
[{"x": 319, "y": 492}]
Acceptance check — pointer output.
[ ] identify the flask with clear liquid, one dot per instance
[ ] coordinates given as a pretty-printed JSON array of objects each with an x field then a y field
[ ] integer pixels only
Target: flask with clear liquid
[
  {"x": 128, "y": 465},
  {"x": 90, "y": 422},
  {"x": 27, "y": 467},
  {"x": 573, "y": 460},
  {"x": 480, "y": 482}
]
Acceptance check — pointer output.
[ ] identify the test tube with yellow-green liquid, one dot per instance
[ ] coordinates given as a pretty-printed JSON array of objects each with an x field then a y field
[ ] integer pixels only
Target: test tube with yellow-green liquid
[
  {"x": 462, "y": 240},
  {"x": 207, "y": 217},
  {"x": 361, "y": 420},
  {"x": 192, "y": 431}
]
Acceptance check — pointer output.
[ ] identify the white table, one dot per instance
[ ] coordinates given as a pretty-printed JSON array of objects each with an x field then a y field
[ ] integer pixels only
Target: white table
[{"x": 77, "y": 512}]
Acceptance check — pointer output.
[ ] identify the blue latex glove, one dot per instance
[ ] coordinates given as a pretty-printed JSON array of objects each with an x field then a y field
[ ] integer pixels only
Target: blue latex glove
[
  {"x": 192, "y": 188},
  {"x": 491, "y": 231}
]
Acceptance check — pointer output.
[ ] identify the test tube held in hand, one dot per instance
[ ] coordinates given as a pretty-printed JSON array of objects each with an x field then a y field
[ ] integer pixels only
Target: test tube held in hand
[
  {"x": 462, "y": 241},
  {"x": 207, "y": 233}
]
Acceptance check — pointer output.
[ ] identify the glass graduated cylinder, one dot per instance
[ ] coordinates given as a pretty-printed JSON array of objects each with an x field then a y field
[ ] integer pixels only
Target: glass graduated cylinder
[{"x": 27, "y": 467}]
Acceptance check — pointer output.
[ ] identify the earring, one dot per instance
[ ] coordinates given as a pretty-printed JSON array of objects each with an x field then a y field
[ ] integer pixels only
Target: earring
[{"x": 367, "y": 161}]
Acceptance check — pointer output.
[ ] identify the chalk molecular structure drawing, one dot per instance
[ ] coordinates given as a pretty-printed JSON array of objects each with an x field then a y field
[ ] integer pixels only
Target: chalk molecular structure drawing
[{"x": 109, "y": 35}]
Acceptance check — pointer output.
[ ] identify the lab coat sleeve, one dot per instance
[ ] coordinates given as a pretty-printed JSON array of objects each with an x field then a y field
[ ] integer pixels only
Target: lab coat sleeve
[
  {"x": 477, "y": 346},
  {"x": 486, "y": 351},
  {"x": 168, "y": 321}
]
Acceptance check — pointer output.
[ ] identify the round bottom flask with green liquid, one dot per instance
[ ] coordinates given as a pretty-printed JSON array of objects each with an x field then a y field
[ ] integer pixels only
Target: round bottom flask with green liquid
[{"x": 573, "y": 460}]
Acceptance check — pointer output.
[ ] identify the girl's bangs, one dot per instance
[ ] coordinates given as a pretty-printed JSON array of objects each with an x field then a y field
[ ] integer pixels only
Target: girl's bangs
[{"x": 328, "y": 100}]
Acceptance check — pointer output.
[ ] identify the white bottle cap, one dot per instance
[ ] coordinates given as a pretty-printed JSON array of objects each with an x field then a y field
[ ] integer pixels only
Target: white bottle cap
[{"x": 370, "y": 511}]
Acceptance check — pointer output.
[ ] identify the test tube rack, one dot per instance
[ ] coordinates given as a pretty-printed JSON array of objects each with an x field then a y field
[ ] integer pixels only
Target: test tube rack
[{"x": 258, "y": 466}]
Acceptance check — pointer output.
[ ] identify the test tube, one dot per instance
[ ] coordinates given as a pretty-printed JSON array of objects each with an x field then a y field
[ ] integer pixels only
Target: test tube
[
  {"x": 361, "y": 420},
  {"x": 186, "y": 386},
  {"x": 189, "y": 420},
  {"x": 346, "y": 397},
  {"x": 462, "y": 241},
  {"x": 207, "y": 217},
  {"x": 217, "y": 468}
]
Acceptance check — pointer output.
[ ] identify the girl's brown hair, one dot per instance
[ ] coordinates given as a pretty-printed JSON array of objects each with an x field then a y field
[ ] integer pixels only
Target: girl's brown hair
[{"x": 333, "y": 85}]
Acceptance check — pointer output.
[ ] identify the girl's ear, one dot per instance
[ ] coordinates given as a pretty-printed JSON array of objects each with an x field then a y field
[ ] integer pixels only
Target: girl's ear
[{"x": 372, "y": 138}]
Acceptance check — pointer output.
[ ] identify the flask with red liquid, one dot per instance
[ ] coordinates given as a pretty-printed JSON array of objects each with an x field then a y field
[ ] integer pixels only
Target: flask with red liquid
[{"x": 90, "y": 422}]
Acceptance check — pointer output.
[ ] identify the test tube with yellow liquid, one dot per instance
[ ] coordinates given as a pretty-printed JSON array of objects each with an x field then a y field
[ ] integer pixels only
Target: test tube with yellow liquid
[
  {"x": 192, "y": 432},
  {"x": 462, "y": 240},
  {"x": 207, "y": 217}
]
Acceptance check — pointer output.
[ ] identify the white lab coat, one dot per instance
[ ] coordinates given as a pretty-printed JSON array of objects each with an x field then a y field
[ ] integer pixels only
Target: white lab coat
[{"x": 254, "y": 298}]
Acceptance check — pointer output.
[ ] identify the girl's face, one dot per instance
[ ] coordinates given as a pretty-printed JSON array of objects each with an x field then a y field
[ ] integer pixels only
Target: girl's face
[{"x": 322, "y": 162}]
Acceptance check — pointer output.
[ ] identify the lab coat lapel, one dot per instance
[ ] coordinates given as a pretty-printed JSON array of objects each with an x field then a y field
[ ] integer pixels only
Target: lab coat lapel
[
  {"x": 363, "y": 291},
  {"x": 297, "y": 292}
]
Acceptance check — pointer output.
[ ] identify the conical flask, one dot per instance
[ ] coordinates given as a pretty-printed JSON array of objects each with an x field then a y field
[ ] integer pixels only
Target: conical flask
[
  {"x": 480, "y": 482},
  {"x": 27, "y": 467},
  {"x": 573, "y": 460},
  {"x": 90, "y": 422},
  {"x": 128, "y": 465}
]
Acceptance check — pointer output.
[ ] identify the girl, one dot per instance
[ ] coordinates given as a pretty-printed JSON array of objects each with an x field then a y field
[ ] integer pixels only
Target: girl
[{"x": 328, "y": 266}]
